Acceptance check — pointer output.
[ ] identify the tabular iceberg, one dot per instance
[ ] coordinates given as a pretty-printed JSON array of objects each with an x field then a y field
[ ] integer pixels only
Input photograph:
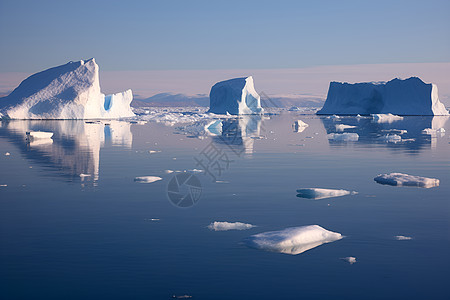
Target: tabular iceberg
[
  {"x": 70, "y": 91},
  {"x": 235, "y": 97},
  {"x": 400, "y": 97},
  {"x": 399, "y": 179}
]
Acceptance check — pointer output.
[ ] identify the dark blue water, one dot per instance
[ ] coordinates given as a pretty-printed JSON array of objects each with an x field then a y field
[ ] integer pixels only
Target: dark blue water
[{"x": 67, "y": 237}]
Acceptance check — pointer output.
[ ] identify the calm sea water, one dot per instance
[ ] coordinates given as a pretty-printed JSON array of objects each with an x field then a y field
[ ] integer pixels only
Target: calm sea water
[{"x": 63, "y": 236}]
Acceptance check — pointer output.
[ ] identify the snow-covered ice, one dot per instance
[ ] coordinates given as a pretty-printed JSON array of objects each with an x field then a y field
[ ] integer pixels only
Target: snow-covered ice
[
  {"x": 385, "y": 118},
  {"x": 294, "y": 240},
  {"x": 434, "y": 132},
  {"x": 391, "y": 138},
  {"x": 70, "y": 91},
  {"x": 350, "y": 259},
  {"x": 342, "y": 127},
  {"x": 319, "y": 193},
  {"x": 147, "y": 179},
  {"x": 224, "y": 226},
  {"x": 402, "y": 238},
  {"x": 395, "y": 131},
  {"x": 400, "y": 179},
  {"x": 235, "y": 96},
  {"x": 402, "y": 97},
  {"x": 299, "y": 126},
  {"x": 344, "y": 137}
]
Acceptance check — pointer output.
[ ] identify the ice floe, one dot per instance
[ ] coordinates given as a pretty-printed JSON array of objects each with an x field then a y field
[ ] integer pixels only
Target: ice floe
[
  {"x": 344, "y": 137},
  {"x": 400, "y": 179},
  {"x": 147, "y": 179},
  {"x": 39, "y": 134},
  {"x": 391, "y": 138},
  {"x": 318, "y": 193},
  {"x": 299, "y": 126},
  {"x": 350, "y": 259},
  {"x": 225, "y": 226},
  {"x": 385, "y": 118},
  {"x": 294, "y": 240},
  {"x": 342, "y": 127},
  {"x": 402, "y": 238}
]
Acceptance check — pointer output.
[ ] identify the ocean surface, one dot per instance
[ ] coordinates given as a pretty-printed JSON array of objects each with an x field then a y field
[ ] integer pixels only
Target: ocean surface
[{"x": 103, "y": 235}]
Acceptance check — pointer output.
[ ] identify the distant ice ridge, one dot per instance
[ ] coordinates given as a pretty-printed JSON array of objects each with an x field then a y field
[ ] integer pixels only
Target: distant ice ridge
[
  {"x": 294, "y": 240},
  {"x": 400, "y": 179},
  {"x": 225, "y": 226},
  {"x": 70, "y": 91},
  {"x": 236, "y": 97},
  {"x": 317, "y": 193},
  {"x": 344, "y": 137},
  {"x": 401, "y": 97}
]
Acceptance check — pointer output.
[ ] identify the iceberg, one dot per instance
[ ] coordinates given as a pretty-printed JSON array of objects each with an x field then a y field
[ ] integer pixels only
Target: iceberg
[
  {"x": 399, "y": 179},
  {"x": 411, "y": 96},
  {"x": 70, "y": 91},
  {"x": 299, "y": 126},
  {"x": 225, "y": 226},
  {"x": 294, "y": 240},
  {"x": 235, "y": 97},
  {"x": 317, "y": 193}
]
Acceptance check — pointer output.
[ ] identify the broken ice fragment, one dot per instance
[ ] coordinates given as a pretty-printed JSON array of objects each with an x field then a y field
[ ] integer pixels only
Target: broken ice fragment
[{"x": 400, "y": 179}]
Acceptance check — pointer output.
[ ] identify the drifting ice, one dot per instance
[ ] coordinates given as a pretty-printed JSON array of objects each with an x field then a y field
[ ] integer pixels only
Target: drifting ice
[
  {"x": 39, "y": 134},
  {"x": 299, "y": 126},
  {"x": 147, "y": 179},
  {"x": 402, "y": 97},
  {"x": 399, "y": 179},
  {"x": 316, "y": 193},
  {"x": 344, "y": 137},
  {"x": 385, "y": 118},
  {"x": 403, "y": 238},
  {"x": 70, "y": 91},
  {"x": 342, "y": 127},
  {"x": 224, "y": 226},
  {"x": 294, "y": 240},
  {"x": 236, "y": 97}
]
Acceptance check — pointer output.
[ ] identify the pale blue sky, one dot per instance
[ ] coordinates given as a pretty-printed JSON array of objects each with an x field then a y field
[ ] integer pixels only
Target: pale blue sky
[{"x": 154, "y": 35}]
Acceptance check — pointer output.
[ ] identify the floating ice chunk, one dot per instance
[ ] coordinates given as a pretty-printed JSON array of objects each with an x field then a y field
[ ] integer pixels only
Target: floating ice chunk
[
  {"x": 294, "y": 108},
  {"x": 402, "y": 238},
  {"x": 434, "y": 132},
  {"x": 153, "y": 151},
  {"x": 334, "y": 117},
  {"x": 391, "y": 138},
  {"x": 402, "y": 97},
  {"x": 214, "y": 127},
  {"x": 344, "y": 137},
  {"x": 39, "y": 134},
  {"x": 3, "y": 185},
  {"x": 342, "y": 127},
  {"x": 84, "y": 175},
  {"x": 70, "y": 91},
  {"x": 385, "y": 118},
  {"x": 395, "y": 131},
  {"x": 7, "y": 154},
  {"x": 317, "y": 193},
  {"x": 299, "y": 126},
  {"x": 235, "y": 96},
  {"x": 294, "y": 240},
  {"x": 168, "y": 171},
  {"x": 224, "y": 226},
  {"x": 350, "y": 259},
  {"x": 195, "y": 171},
  {"x": 147, "y": 179},
  {"x": 399, "y": 179}
]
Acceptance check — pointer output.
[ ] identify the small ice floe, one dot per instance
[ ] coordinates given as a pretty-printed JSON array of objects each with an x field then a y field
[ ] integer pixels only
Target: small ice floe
[
  {"x": 294, "y": 108},
  {"x": 4, "y": 185},
  {"x": 400, "y": 179},
  {"x": 391, "y": 138},
  {"x": 153, "y": 220},
  {"x": 317, "y": 193},
  {"x": 385, "y": 118},
  {"x": 182, "y": 296},
  {"x": 195, "y": 171},
  {"x": 168, "y": 171},
  {"x": 225, "y": 226},
  {"x": 84, "y": 175},
  {"x": 39, "y": 134},
  {"x": 294, "y": 240},
  {"x": 434, "y": 132},
  {"x": 154, "y": 151},
  {"x": 342, "y": 127},
  {"x": 344, "y": 137},
  {"x": 334, "y": 117},
  {"x": 147, "y": 179},
  {"x": 299, "y": 126},
  {"x": 7, "y": 154},
  {"x": 402, "y": 238},
  {"x": 395, "y": 131},
  {"x": 221, "y": 181},
  {"x": 350, "y": 259}
]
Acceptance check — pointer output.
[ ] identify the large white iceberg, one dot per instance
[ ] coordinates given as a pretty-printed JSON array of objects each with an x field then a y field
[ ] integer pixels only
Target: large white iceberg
[
  {"x": 294, "y": 240},
  {"x": 70, "y": 91},
  {"x": 235, "y": 96},
  {"x": 400, "y": 97},
  {"x": 400, "y": 179}
]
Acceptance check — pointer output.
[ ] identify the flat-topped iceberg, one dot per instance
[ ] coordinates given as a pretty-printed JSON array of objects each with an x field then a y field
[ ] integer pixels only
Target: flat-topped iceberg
[
  {"x": 225, "y": 226},
  {"x": 70, "y": 91},
  {"x": 400, "y": 97},
  {"x": 400, "y": 179},
  {"x": 344, "y": 137},
  {"x": 317, "y": 193},
  {"x": 294, "y": 240},
  {"x": 235, "y": 97}
]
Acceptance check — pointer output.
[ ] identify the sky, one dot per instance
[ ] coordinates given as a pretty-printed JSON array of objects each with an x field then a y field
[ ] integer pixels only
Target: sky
[{"x": 212, "y": 35}]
